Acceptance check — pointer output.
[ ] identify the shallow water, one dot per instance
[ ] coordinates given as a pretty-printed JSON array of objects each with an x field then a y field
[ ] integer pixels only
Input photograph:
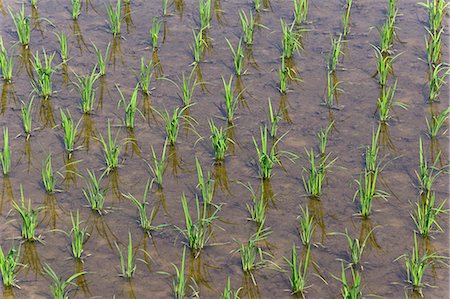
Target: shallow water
[{"x": 302, "y": 114}]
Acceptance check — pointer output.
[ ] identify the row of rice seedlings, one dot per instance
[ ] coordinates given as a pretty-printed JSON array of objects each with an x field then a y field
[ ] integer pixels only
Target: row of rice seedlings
[
  {"x": 335, "y": 53},
  {"x": 387, "y": 33},
  {"x": 300, "y": 11},
  {"x": 346, "y": 17},
  {"x": 29, "y": 217},
  {"x": 199, "y": 232},
  {"x": 6, "y": 63},
  {"x": 59, "y": 285},
  {"x": 290, "y": 41},
  {"x": 94, "y": 193},
  {"x": 70, "y": 131},
  {"x": 27, "y": 117},
  {"x": 257, "y": 209},
  {"x": 371, "y": 156},
  {"x": 384, "y": 66},
  {"x": 248, "y": 27},
  {"x": 437, "y": 80},
  {"x": 231, "y": 100},
  {"x": 77, "y": 236},
  {"x": 76, "y": 9},
  {"x": 5, "y": 154},
  {"x": 154, "y": 32},
  {"x": 146, "y": 222},
  {"x": 228, "y": 293},
  {"x": 204, "y": 8},
  {"x": 299, "y": 272},
  {"x": 427, "y": 213},
  {"x": 172, "y": 122},
  {"x": 159, "y": 165},
  {"x": 111, "y": 149},
  {"x": 332, "y": 90},
  {"x": 306, "y": 226},
  {"x": 416, "y": 264},
  {"x": 386, "y": 102},
  {"x": 8, "y": 266},
  {"x": 322, "y": 136},
  {"x": 128, "y": 266},
  {"x": 267, "y": 158},
  {"x": 86, "y": 90},
  {"x": 427, "y": 174},
  {"x": 274, "y": 119},
  {"x": 63, "y": 48},
  {"x": 316, "y": 173},
  {"x": 23, "y": 26},
  {"x": 367, "y": 192},
  {"x": 436, "y": 10},
  {"x": 238, "y": 57},
  {"x": 433, "y": 45},
  {"x": 353, "y": 290},
  {"x": 130, "y": 107},
  {"x": 206, "y": 184},
  {"x": 114, "y": 18},
  {"x": 43, "y": 86},
  {"x": 101, "y": 60},
  {"x": 219, "y": 140},
  {"x": 198, "y": 45},
  {"x": 146, "y": 76},
  {"x": 48, "y": 177},
  {"x": 436, "y": 122}
]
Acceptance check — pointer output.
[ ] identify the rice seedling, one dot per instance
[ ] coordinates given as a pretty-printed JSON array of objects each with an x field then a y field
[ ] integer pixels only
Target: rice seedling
[
  {"x": 371, "y": 156},
  {"x": 433, "y": 44},
  {"x": 300, "y": 11},
  {"x": 290, "y": 42},
  {"x": 172, "y": 123},
  {"x": 198, "y": 44},
  {"x": 94, "y": 193},
  {"x": 59, "y": 285},
  {"x": 257, "y": 5},
  {"x": 274, "y": 119},
  {"x": 8, "y": 266},
  {"x": 43, "y": 86},
  {"x": 335, "y": 52},
  {"x": 204, "y": 8},
  {"x": 27, "y": 117},
  {"x": 384, "y": 66},
  {"x": 387, "y": 33},
  {"x": 416, "y": 264},
  {"x": 356, "y": 248},
  {"x": 316, "y": 173},
  {"x": 332, "y": 90},
  {"x": 426, "y": 215},
  {"x": 186, "y": 87},
  {"x": 257, "y": 209},
  {"x": 219, "y": 140},
  {"x": 427, "y": 174},
  {"x": 5, "y": 155},
  {"x": 436, "y": 10},
  {"x": 164, "y": 7},
  {"x": 231, "y": 101},
  {"x": 283, "y": 74},
  {"x": 101, "y": 60},
  {"x": 322, "y": 136},
  {"x": 199, "y": 232},
  {"x": 114, "y": 18},
  {"x": 86, "y": 90},
  {"x": 179, "y": 283},
  {"x": 228, "y": 293},
  {"x": 436, "y": 122},
  {"x": 437, "y": 81},
  {"x": 350, "y": 291},
  {"x": 299, "y": 272},
  {"x": 127, "y": 267},
  {"x": 111, "y": 149},
  {"x": 6, "y": 63},
  {"x": 76, "y": 9},
  {"x": 77, "y": 236},
  {"x": 248, "y": 27},
  {"x": 159, "y": 165},
  {"x": 206, "y": 184},
  {"x": 154, "y": 32},
  {"x": 307, "y": 226},
  {"x": 146, "y": 222},
  {"x": 130, "y": 107},
  {"x": 367, "y": 192},
  {"x": 34, "y": 3},
  {"x": 23, "y": 26},
  {"x": 267, "y": 158},
  {"x": 386, "y": 102},
  {"x": 146, "y": 76},
  {"x": 48, "y": 177},
  {"x": 346, "y": 17},
  {"x": 63, "y": 48},
  {"x": 29, "y": 217},
  {"x": 70, "y": 131},
  {"x": 238, "y": 57}
]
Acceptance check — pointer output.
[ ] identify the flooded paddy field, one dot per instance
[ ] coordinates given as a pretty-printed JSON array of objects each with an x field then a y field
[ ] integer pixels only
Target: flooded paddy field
[{"x": 308, "y": 94}]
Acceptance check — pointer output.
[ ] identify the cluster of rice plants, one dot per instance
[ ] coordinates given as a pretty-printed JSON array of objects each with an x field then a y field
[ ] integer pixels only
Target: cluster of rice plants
[
  {"x": 384, "y": 66},
  {"x": 283, "y": 75},
  {"x": 331, "y": 91},
  {"x": 114, "y": 18},
  {"x": 101, "y": 60},
  {"x": 86, "y": 90},
  {"x": 6, "y": 63},
  {"x": 172, "y": 122},
  {"x": 433, "y": 45},
  {"x": 274, "y": 119},
  {"x": 159, "y": 165},
  {"x": 346, "y": 17},
  {"x": 257, "y": 5},
  {"x": 219, "y": 140},
  {"x": 322, "y": 136},
  {"x": 290, "y": 41},
  {"x": 228, "y": 293},
  {"x": 94, "y": 193},
  {"x": 427, "y": 173},
  {"x": 204, "y": 9},
  {"x": 9, "y": 261},
  {"x": 436, "y": 81},
  {"x": 426, "y": 214},
  {"x": 63, "y": 48},
  {"x": 335, "y": 53},
  {"x": 186, "y": 87},
  {"x": 44, "y": 72},
  {"x": 127, "y": 264},
  {"x": 248, "y": 27},
  {"x": 316, "y": 173},
  {"x": 238, "y": 57},
  {"x": 5, "y": 154},
  {"x": 299, "y": 272},
  {"x": 356, "y": 248},
  {"x": 27, "y": 117},
  {"x": 350, "y": 290},
  {"x": 436, "y": 11},
  {"x": 371, "y": 155},
  {"x": 59, "y": 285},
  {"x": 77, "y": 236},
  {"x": 206, "y": 184},
  {"x": 76, "y": 9},
  {"x": 386, "y": 102},
  {"x": 367, "y": 191},
  {"x": 70, "y": 131},
  {"x": 23, "y": 25},
  {"x": 198, "y": 45},
  {"x": 306, "y": 226},
  {"x": 300, "y": 11},
  {"x": 154, "y": 32},
  {"x": 111, "y": 149},
  {"x": 180, "y": 283},
  {"x": 146, "y": 76},
  {"x": 28, "y": 216},
  {"x": 436, "y": 122},
  {"x": 130, "y": 107},
  {"x": 387, "y": 32},
  {"x": 257, "y": 209},
  {"x": 231, "y": 100},
  {"x": 48, "y": 177}
]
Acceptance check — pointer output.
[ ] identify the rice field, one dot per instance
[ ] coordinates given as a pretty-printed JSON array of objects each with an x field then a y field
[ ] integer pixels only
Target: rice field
[{"x": 224, "y": 149}]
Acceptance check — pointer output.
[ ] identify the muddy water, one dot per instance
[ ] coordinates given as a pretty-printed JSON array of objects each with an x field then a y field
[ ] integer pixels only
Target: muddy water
[{"x": 302, "y": 117}]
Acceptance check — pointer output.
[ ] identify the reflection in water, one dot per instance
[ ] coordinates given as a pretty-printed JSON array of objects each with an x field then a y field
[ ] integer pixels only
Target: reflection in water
[
  {"x": 283, "y": 109},
  {"x": 248, "y": 288},
  {"x": 217, "y": 5},
  {"x": 179, "y": 7},
  {"x": 50, "y": 212},
  {"x": 221, "y": 177},
  {"x": 165, "y": 31},
  {"x": 147, "y": 110},
  {"x": 240, "y": 88},
  {"x": 386, "y": 140},
  {"x": 200, "y": 78},
  {"x": 161, "y": 202},
  {"x": 2, "y": 8},
  {"x": 230, "y": 136},
  {"x": 316, "y": 209},
  {"x": 250, "y": 58},
  {"x": 173, "y": 160},
  {"x": 197, "y": 270},
  {"x": 31, "y": 259},
  {"x": 113, "y": 185},
  {"x": 81, "y": 281},
  {"x": 46, "y": 116},
  {"x": 65, "y": 75},
  {"x": 267, "y": 192},
  {"x": 87, "y": 131},
  {"x": 27, "y": 153},
  {"x": 131, "y": 142},
  {"x": 437, "y": 154},
  {"x": 127, "y": 16},
  {"x": 7, "y": 192},
  {"x": 116, "y": 49},
  {"x": 25, "y": 61},
  {"x": 8, "y": 293},
  {"x": 159, "y": 72},
  {"x": 7, "y": 92},
  {"x": 103, "y": 86},
  {"x": 71, "y": 171},
  {"x": 127, "y": 289},
  {"x": 367, "y": 231},
  {"x": 76, "y": 31},
  {"x": 36, "y": 20},
  {"x": 98, "y": 223}
]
